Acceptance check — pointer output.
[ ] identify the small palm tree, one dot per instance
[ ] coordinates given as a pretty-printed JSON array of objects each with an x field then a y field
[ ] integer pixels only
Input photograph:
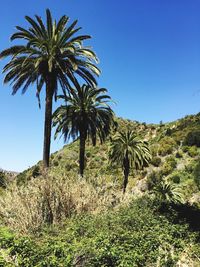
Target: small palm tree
[
  {"x": 86, "y": 114},
  {"x": 128, "y": 151},
  {"x": 168, "y": 192},
  {"x": 51, "y": 55}
]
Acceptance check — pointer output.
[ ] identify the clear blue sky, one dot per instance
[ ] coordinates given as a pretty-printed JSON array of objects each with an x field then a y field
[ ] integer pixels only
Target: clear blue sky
[{"x": 149, "y": 55}]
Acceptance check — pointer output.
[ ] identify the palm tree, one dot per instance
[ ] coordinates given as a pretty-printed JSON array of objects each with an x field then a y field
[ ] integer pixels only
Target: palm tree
[
  {"x": 86, "y": 114},
  {"x": 51, "y": 55},
  {"x": 168, "y": 192},
  {"x": 128, "y": 151}
]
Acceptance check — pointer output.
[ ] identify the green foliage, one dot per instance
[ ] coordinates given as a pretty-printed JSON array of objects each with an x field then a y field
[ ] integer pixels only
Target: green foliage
[
  {"x": 55, "y": 163},
  {"x": 193, "y": 138},
  {"x": 133, "y": 236},
  {"x": 49, "y": 54},
  {"x": 172, "y": 161},
  {"x": 196, "y": 174},
  {"x": 154, "y": 150},
  {"x": 129, "y": 151},
  {"x": 167, "y": 145},
  {"x": 185, "y": 149},
  {"x": 3, "y": 180},
  {"x": 156, "y": 161},
  {"x": 179, "y": 154},
  {"x": 176, "y": 179},
  {"x": 168, "y": 192},
  {"x": 169, "y": 165},
  {"x": 36, "y": 171},
  {"x": 192, "y": 151},
  {"x": 85, "y": 115},
  {"x": 189, "y": 168},
  {"x": 153, "y": 179}
]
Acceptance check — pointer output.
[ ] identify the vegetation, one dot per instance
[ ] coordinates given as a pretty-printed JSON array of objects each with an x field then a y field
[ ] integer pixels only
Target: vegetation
[
  {"x": 3, "y": 180},
  {"x": 62, "y": 220},
  {"x": 129, "y": 151},
  {"x": 137, "y": 235},
  {"x": 86, "y": 115},
  {"x": 57, "y": 218},
  {"x": 192, "y": 139},
  {"x": 52, "y": 55}
]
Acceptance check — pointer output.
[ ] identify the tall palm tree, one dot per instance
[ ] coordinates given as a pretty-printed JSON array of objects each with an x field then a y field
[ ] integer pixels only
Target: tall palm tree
[
  {"x": 51, "y": 55},
  {"x": 128, "y": 151},
  {"x": 86, "y": 114}
]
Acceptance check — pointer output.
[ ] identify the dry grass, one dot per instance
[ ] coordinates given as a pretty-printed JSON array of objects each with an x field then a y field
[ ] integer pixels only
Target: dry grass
[{"x": 51, "y": 200}]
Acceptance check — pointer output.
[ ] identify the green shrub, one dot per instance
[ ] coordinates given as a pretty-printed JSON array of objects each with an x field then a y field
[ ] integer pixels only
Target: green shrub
[
  {"x": 55, "y": 163},
  {"x": 165, "y": 150},
  {"x": 153, "y": 179},
  {"x": 3, "y": 180},
  {"x": 59, "y": 157},
  {"x": 190, "y": 167},
  {"x": 193, "y": 138},
  {"x": 166, "y": 169},
  {"x": 179, "y": 154},
  {"x": 167, "y": 145},
  {"x": 68, "y": 167},
  {"x": 88, "y": 154},
  {"x": 185, "y": 149},
  {"x": 137, "y": 235},
  {"x": 172, "y": 161},
  {"x": 169, "y": 165},
  {"x": 192, "y": 151},
  {"x": 154, "y": 150},
  {"x": 176, "y": 179},
  {"x": 36, "y": 171},
  {"x": 156, "y": 161},
  {"x": 196, "y": 174}
]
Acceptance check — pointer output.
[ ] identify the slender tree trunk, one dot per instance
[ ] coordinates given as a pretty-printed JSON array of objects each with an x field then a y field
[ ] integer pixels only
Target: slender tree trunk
[
  {"x": 47, "y": 124},
  {"x": 82, "y": 153},
  {"x": 126, "y": 166}
]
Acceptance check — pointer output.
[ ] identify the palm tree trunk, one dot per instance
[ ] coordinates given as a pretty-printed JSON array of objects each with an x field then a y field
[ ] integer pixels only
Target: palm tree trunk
[
  {"x": 82, "y": 153},
  {"x": 47, "y": 125},
  {"x": 126, "y": 166}
]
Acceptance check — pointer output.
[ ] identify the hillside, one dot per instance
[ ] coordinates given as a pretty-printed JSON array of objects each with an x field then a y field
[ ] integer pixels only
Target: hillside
[
  {"x": 60, "y": 219},
  {"x": 172, "y": 155}
]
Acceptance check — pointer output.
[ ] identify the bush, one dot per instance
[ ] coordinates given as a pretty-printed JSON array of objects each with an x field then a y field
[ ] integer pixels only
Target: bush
[
  {"x": 154, "y": 150},
  {"x": 36, "y": 171},
  {"x": 165, "y": 150},
  {"x": 196, "y": 174},
  {"x": 153, "y": 179},
  {"x": 179, "y": 154},
  {"x": 3, "y": 180},
  {"x": 172, "y": 161},
  {"x": 55, "y": 163},
  {"x": 176, "y": 179},
  {"x": 156, "y": 161},
  {"x": 193, "y": 139},
  {"x": 59, "y": 157},
  {"x": 192, "y": 151},
  {"x": 166, "y": 169},
  {"x": 136, "y": 235},
  {"x": 167, "y": 145},
  {"x": 185, "y": 149},
  {"x": 169, "y": 165},
  {"x": 189, "y": 168},
  {"x": 48, "y": 200}
]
